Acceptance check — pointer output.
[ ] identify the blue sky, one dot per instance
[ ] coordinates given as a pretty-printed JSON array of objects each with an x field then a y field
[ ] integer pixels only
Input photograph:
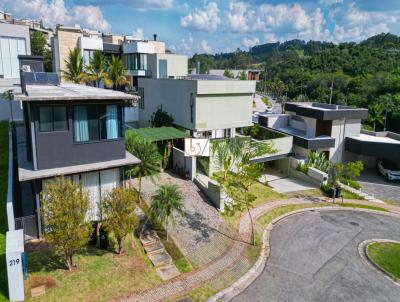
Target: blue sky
[{"x": 219, "y": 26}]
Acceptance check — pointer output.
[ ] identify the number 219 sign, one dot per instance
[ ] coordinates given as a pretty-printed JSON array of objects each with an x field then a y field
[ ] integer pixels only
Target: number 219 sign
[{"x": 197, "y": 147}]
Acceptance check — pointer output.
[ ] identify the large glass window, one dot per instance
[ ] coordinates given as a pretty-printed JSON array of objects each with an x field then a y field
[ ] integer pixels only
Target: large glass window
[
  {"x": 10, "y": 48},
  {"x": 97, "y": 122},
  {"x": 135, "y": 61},
  {"x": 52, "y": 118}
]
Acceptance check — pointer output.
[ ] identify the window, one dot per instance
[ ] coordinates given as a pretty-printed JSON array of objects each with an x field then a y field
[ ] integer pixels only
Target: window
[
  {"x": 97, "y": 122},
  {"x": 87, "y": 56},
  {"x": 52, "y": 118},
  {"x": 135, "y": 61},
  {"x": 141, "y": 94},
  {"x": 10, "y": 48}
]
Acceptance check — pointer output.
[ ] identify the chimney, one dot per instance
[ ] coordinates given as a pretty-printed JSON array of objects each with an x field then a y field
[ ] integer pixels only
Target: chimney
[
  {"x": 197, "y": 67},
  {"x": 155, "y": 37}
]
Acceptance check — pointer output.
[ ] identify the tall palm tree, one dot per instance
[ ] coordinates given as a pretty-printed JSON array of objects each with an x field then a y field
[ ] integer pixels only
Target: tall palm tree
[
  {"x": 97, "y": 68},
  {"x": 150, "y": 158},
  {"x": 74, "y": 64},
  {"x": 117, "y": 73},
  {"x": 167, "y": 200},
  {"x": 375, "y": 114}
]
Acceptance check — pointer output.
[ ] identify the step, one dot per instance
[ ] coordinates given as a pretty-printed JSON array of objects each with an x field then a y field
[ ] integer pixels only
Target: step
[
  {"x": 160, "y": 258},
  {"x": 148, "y": 237},
  {"x": 167, "y": 272},
  {"x": 152, "y": 248}
]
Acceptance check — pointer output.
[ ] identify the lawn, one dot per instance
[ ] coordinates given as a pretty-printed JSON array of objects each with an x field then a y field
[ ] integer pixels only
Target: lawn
[
  {"x": 3, "y": 213},
  {"x": 387, "y": 256},
  {"x": 99, "y": 276}
]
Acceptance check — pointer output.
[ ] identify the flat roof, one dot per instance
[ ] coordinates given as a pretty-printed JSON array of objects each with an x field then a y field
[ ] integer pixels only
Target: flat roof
[
  {"x": 70, "y": 91},
  {"x": 160, "y": 134},
  {"x": 375, "y": 139},
  {"x": 26, "y": 172}
]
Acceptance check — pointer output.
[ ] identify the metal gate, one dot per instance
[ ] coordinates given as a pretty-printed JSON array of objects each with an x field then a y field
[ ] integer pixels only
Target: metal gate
[{"x": 29, "y": 225}]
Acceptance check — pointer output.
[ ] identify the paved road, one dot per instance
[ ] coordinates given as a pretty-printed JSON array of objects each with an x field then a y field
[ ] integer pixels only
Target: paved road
[
  {"x": 376, "y": 185},
  {"x": 314, "y": 257}
]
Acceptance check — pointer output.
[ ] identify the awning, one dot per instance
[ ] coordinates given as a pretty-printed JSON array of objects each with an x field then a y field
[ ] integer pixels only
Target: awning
[{"x": 159, "y": 134}]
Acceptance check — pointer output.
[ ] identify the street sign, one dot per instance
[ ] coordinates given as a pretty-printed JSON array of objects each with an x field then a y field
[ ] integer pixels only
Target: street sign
[{"x": 197, "y": 147}]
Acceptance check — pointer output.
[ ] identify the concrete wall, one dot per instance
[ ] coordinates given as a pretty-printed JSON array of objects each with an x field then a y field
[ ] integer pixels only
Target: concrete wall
[
  {"x": 177, "y": 65},
  {"x": 5, "y": 113},
  {"x": 222, "y": 104},
  {"x": 17, "y": 31},
  {"x": 180, "y": 161},
  {"x": 137, "y": 47},
  {"x": 311, "y": 125},
  {"x": 65, "y": 41},
  {"x": 159, "y": 46}
]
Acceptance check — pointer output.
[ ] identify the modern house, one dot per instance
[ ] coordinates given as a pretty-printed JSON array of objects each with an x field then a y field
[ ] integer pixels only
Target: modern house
[
  {"x": 71, "y": 130},
  {"x": 317, "y": 126}
]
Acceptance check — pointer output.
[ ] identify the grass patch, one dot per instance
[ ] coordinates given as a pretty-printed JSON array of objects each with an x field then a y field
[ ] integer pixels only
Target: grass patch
[
  {"x": 3, "y": 211},
  {"x": 180, "y": 261},
  {"x": 387, "y": 256},
  {"x": 99, "y": 276},
  {"x": 363, "y": 206},
  {"x": 350, "y": 195},
  {"x": 392, "y": 202}
]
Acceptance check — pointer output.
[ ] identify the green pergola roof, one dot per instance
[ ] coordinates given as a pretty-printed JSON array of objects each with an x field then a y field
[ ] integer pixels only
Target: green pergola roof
[{"x": 160, "y": 134}]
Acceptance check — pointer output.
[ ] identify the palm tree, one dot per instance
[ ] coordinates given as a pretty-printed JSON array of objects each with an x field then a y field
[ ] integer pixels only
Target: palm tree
[
  {"x": 74, "y": 64},
  {"x": 146, "y": 151},
  {"x": 167, "y": 200},
  {"x": 97, "y": 68},
  {"x": 117, "y": 73},
  {"x": 375, "y": 114},
  {"x": 9, "y": 96}
]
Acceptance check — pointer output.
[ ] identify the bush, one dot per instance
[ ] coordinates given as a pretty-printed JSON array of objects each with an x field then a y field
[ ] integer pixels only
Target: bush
[
  {"x": 353, "y": 183},
  {"x": 302, "y": 168}
]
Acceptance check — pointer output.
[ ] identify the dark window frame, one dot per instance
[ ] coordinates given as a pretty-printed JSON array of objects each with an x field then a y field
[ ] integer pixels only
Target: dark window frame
[
  {"x": 100, "y": 127},
  {"x": 52, "y": 119}
]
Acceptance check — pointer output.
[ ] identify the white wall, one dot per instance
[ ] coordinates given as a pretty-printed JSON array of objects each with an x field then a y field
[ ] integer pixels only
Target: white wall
[
  {"x": 311, "y": 124},
  {"x": 177, "y": 65},
  {"x": 138, "y": 47},
  {"x": 90, "y": 43}
]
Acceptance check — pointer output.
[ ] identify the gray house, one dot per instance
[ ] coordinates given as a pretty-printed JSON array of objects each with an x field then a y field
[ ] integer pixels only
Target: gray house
[{"x": 71, "y": 130}]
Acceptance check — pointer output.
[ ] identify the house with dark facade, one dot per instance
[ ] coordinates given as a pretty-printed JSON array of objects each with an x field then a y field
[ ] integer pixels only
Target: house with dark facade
[{"x": 69, "y": 130}]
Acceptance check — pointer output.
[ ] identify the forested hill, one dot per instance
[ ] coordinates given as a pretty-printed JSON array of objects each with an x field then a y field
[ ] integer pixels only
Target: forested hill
[{"x": 365, "y": 74}]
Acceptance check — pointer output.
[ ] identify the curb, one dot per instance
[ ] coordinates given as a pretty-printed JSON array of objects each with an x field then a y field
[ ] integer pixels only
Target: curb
[
  {"x": 255, "y": 271},
  {"x": 363, "y": 251}
]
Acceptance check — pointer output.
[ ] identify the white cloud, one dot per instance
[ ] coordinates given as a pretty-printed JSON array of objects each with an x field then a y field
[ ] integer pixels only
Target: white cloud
[
  {"x": 352, "y": 23},
  {"x": 138, "y": 34},
  {"x": 238, "y": 16},
  {"x": 248, "y": 42},
  {"x": 185, "y": 45},
  {"x": 330, "y": 2},
  {"x": 206, "y": 19},
  {"x": 205, "y": 47},
  {"x": 142, "y": 5},
  {"x": 56, "y": 12},
  {"x": 270, "y": 38}
]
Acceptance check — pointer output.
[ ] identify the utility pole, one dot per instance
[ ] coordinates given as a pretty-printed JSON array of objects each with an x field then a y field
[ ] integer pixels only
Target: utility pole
[{"x": 330, "y": 97}]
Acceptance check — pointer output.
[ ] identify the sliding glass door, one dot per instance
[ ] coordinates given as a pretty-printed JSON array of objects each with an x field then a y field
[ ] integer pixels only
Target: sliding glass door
[{"x": 90, "y": 182}]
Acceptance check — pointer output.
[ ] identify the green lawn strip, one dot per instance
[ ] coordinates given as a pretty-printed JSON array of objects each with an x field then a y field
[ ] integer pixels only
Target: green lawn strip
[
  {"x": 100, "y": 275},
  {"x": 180, "y": 261},
  {"x": 3, "y": 211},
  {"x": 349, "y": 195},
  {"x": 363, "y": 206},
  {"x": 387, "y": 256}
]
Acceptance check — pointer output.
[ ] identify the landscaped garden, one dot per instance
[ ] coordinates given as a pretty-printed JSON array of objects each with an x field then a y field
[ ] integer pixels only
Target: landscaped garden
[
  {"x": 3, "y": 212},
  {"x": 387, "y": 256}
]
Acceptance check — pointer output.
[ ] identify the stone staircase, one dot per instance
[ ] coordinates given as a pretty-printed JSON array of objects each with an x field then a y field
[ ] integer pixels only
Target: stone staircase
[{"x": 155, "y": 250}]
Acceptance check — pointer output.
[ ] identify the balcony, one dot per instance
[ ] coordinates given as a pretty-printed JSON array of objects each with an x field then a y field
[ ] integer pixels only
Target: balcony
[{"x": 139, "y": 72}]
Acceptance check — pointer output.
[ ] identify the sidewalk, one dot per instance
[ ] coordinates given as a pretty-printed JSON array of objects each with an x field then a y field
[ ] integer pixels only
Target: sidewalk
[{"x": 233, "y": 255}]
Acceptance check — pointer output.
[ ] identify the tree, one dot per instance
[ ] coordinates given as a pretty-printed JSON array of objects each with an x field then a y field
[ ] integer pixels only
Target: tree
[
  {"x": 64, "y": 211},
  {"x": 228, "y": 74},
  {"x": 334, "y": 174},
  {"x": 119, "y": 217},
  {"x": 97, "y": 69},
  {"x": 74, "y": 64},
  {"x": 38, "y": 43},
  {"x": 243, "y": 75},
  {"x": 237, "y": 185},
  {"x": 375, "y": 114},
  {"x": 9, "y": 96},
  {"x": 166, "y": 201},
  {"x": 146, "y": 151},
  {"x": 387, "y": 102},
  {"x": 117, "y": 73},
  {"x": 161, "y": 118}
]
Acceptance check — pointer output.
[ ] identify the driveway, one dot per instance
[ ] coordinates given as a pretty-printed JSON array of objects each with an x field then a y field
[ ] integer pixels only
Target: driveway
[
  {"x": 376, "y": 185},
  {"x": 314, "y": 257},
  {"x": 201, "y": 233}
]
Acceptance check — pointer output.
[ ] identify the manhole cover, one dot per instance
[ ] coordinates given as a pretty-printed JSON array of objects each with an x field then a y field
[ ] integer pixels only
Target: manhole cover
[{"x": 354, "y": 223}]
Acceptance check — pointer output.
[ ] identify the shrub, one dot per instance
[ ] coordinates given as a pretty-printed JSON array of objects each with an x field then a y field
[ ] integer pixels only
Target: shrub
[
  {"x": 303, "y": 168},
  {"x": 354, "y": 184}
]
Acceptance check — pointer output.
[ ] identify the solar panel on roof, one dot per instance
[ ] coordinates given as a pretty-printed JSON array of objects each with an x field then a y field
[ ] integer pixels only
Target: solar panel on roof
[
  {"x": 52, "y": 79},
  {"x": 41, "y": 78},
  {"x": 30, "y": 78}
]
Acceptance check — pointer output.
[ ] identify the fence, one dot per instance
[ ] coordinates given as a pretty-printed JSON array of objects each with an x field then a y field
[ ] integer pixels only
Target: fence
[{"x": 28, "y": 224}]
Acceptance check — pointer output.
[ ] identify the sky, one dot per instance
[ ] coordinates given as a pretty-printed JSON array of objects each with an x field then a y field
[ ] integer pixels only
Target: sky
[{"x": 214, "y": 26}]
